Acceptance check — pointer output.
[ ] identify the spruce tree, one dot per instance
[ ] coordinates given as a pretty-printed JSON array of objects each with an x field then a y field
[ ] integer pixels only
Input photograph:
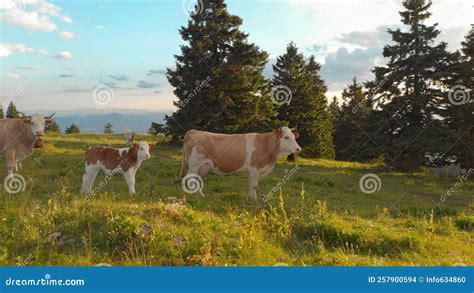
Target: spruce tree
[
  {"x": 12, "y": 112},
  {"x": 108, "y": 128},
  {"x": 458, "y": 106},
  {"x": 72, "y": 129},
  {"x": 54, "y": 127},
  {"x": 218, "y": 78},
  {"x": 303, "y": 103},
  {"x": 156, "y": 128},
  {"x": 350, "y": 135},
  {"x": 408, "y": 90},
  {"x": 2, "y": 116}
]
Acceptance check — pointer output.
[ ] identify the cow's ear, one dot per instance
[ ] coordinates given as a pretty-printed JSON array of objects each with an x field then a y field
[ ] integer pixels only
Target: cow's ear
[
  {"x": 278, "y": 132},
  {"x": 26, "y": 120},
  {"x": 135, "y": 145},
  {"x": 151, "y": 145},
  {"x": 296, "y": 134},
  {"x": 49, "y": 121}
]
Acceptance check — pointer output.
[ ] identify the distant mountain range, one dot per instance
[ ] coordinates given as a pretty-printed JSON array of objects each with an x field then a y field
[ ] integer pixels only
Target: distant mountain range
[{"x": 94, "y": 120}]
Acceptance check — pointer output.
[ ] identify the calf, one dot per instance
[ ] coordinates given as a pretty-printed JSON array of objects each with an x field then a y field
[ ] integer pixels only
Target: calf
[
  {"x": 255, "y": 153},
  {"x": 112, "y": 161},
  {"x": 128, "y": 136}
]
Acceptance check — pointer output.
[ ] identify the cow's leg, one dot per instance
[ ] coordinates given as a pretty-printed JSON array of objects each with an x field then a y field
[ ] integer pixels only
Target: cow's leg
[
  {"x": 130, "y": 178},
  {"x": 19, "y": 165},
  {"x": 89, "y": 178},
  {"x": 11, "y": 161},
  {"x": 253, "y": 182}
]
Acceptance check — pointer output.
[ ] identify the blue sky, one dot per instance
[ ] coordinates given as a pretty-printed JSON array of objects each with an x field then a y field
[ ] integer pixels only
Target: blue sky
[{"x": 54, "y": 53}]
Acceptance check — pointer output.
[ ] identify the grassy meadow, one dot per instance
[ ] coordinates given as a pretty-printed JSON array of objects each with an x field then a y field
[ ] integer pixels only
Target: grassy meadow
[{"x": 321, "y": 217}]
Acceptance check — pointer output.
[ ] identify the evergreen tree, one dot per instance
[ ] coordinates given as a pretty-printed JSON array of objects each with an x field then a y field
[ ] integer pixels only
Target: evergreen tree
[
  {"x": 72, "y": 129},
  {"x": 2, "y": 116},
  {"x": 218, "y": 78},
  {"x": 54, "y": 127},
  {"x": 458, "y": 105},
  {"x": 12, "y": 112},
  {"x": 408, "y": 90},
  {"x": 108, "y": 128},
  {"x": 304, "y": 103},
  {"x": 334, "y": 110},
  {"x": 156, "y": 128},
  {"x": 350, "y": 135}
]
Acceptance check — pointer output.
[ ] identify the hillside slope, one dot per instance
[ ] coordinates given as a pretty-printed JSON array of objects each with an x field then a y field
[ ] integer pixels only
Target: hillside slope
[{"x": 321, "y": 216}]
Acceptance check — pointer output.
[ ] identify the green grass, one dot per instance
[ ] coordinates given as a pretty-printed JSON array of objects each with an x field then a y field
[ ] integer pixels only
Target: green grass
[{"x": 321, "y": 216}]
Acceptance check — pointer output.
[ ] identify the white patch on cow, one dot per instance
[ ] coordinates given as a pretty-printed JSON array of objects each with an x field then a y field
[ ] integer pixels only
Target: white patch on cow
[
  {"x": 122, "y": 150},
  {"x": 249, "y": 149}
]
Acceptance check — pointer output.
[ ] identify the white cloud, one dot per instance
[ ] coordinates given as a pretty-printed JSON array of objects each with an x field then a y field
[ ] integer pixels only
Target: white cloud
[
  {"x": 65, "y": 55},
  {"x": 31, "y": 14},
  {"x": 67, "y": 35},
  {"x": 43, "y": 52},
  {"x": 101, "y": 27},
  {"x": 66, "y": 19},
  {"x": 29, "y": 20},
  {"x": 12, "y": 75},
  {"x": 7, "y": 49}
]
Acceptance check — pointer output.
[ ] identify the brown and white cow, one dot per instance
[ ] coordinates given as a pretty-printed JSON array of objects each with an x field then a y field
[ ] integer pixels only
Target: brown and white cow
[
  {"x": 113, "y": 161},
  {"x": 18, "y": 137},
  {"x": 255, "y": 153}
]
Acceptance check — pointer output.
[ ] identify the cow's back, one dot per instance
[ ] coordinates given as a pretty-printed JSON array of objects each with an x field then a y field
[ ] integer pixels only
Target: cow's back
[
  {"x": 227, "y": 152},
  {"x": 106, "y": 156}
]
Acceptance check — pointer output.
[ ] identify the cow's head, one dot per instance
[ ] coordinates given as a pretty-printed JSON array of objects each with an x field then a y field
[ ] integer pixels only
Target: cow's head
[
  {"x": 143, "y": 150},
  {"x": 37, "y": 122},
  {"x": 287, "y": 137}
]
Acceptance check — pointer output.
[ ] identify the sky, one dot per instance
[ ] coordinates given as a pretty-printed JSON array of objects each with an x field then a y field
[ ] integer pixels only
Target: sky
[{"x": 68, "y": 55}]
